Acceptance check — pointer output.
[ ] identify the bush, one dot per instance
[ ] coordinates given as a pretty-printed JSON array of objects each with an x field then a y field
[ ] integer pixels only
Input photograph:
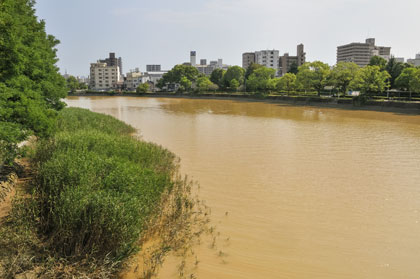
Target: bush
[
  {"x": 142, "y": 88},
  {"x": 10, "y": 135},
  {"x": 96, "y": 186}
]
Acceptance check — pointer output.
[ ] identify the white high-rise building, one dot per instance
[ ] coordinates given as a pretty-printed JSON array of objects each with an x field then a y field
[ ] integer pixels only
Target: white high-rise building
[
  {"x": 104, "y": 76},
  {"x": 268, "y": 58}
]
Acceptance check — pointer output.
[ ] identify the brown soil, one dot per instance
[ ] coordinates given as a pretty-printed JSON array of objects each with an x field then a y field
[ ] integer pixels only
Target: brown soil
[{"x": 25, "y": 174}]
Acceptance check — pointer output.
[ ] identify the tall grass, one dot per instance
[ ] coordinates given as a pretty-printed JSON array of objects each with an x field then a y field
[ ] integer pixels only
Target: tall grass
[
  {"x": 96, "y": 186},
  {"x": 97, "y": 196}
]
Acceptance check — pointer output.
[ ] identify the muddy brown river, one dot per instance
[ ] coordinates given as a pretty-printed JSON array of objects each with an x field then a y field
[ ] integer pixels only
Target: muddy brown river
[{"x": 296, "y": 192}]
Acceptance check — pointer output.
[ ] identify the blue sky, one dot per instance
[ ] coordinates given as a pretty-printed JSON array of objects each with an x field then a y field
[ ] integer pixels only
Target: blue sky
[{"x": 164, "y": 31}]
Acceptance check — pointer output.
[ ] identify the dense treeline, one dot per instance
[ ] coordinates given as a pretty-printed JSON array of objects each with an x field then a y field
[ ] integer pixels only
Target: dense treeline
[
  {"x": 379, "y": 76},
  {"x": 30, "y": 84}
]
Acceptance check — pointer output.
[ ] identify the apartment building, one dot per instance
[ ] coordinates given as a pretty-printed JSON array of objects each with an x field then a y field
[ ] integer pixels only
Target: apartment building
[
  {"x": 113, "y": 61},
  {"x": 247, "y": 59},
  {"x": 203, "y": 67},
  {"x": 104, "y": 76},
  {"x": 361, "y": 53},
  {"x": 134, "y": 79},
  {"x": 286, "y": 61},
  {"x": 268, "y": 58},
  {"x": 415, "y": 62}
]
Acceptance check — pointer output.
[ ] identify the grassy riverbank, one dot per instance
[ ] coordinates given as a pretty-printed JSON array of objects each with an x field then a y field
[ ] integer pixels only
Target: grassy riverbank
[{"x": 96, "y": 192}]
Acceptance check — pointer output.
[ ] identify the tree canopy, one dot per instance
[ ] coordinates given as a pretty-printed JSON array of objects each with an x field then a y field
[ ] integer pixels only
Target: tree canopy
[
  {"x": 217, "y": 77},
  {"x": 31, "y": 88},
  {"x": 313, "y": 76},
  {"x": 183, "y": 75},
  {"x": 234, "y": 72},
  {"x": 342, "y": 75},
  {"x": 371, "y": 79},
  {"x": 378, "y": 61}
]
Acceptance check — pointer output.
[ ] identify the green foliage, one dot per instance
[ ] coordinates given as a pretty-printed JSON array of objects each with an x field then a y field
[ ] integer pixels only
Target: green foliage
[
  {"x": 10, "y": 135},
  {"x": 142, "y": 88},
  {"x": 30, "y": 85},
  {"x": 313, "y": 75},
  {"x": 75, "y": 119},
  {"x": 342, "y": 75},
  {"x": 96, "y": 189},
  {"x": 234, "y": 72},
  {"x": 185, "y": 84},
  {"x": 409, "y": 80},
  {"x": 183, "y": 75},
  {"x": 378, "y": 61},
  {"x": 217, "y": 77},
  {"x": 294, "y": 69},
  {"x": 204, "y": 84},
  {"x": 73, "y": 84},
  {"x": 260, "y": 80},
  {"x": 234, "y": 85},
  {"x": 287, "y": 83},
  {"x": 394, "y": 69},
  {"x": 252, "y": 67},
  {"x": 371, "y": 79}
]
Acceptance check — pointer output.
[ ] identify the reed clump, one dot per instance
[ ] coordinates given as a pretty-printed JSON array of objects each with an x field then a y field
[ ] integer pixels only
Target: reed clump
[
  {"x": 96, "y": 186},
  {"x": 97, "y": 194}
]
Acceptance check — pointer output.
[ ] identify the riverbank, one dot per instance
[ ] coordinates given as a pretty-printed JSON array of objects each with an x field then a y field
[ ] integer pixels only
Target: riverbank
[
  {"x": 315, "y": 101},
  {"x": 98, "y": 194}
]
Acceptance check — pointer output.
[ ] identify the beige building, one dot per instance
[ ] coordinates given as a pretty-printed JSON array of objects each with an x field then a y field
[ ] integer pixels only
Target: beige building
[
  {"x": 286, "y": 61},
  {"x": 103, "y": 76},
  {"x": 361, "y": 53}
]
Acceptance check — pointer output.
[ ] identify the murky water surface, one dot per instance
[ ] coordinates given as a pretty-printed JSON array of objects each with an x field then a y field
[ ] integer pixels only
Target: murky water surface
[{"x": 310, "y": 192}]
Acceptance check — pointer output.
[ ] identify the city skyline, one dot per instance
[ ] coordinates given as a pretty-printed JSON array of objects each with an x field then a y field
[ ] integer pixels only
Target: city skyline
[{"x": 164, "y": 32}]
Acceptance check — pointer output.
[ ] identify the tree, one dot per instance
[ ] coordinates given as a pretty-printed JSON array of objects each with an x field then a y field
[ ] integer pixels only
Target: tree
[
  {"x": 409, "y": 80},
  {"x": 371, "y": 79},
  {"x": 204, "y": 84},
  {"x": 178, "y": 75},
  {"x": 234, "y": 84},
  {"x": 259, "y": 80},
  {"x": 234, "y": 72},
  {"x": 287, "y": 83},
  {"x": 378, "y": 61},
  {"x": 217, "y": 76},
  {"x": 313, "y": 76},
  {"x": 293, "y": 68},
  {"x": 72, "y": 84},
  {"x": 185, "y": 84},
  {"x": 395, "y": 69},
  {"x": 31, "y": 88},
  {"x": 342, "y": 74},
  {"x": 142, "y": 88},
  {"x": 251, "y": 68}
]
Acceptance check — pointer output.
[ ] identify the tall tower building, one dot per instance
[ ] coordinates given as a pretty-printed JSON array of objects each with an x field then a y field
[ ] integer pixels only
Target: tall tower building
[
  {"x": 301, "y": 55},
  {"x": 193, "y": 58}
]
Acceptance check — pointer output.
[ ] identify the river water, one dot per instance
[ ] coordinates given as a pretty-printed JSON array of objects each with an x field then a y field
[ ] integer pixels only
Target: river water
[{"x": 298, "y": 192}]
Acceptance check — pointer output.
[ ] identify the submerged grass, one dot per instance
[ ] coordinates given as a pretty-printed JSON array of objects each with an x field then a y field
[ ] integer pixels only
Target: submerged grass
[{"x": 96, "y": 194}]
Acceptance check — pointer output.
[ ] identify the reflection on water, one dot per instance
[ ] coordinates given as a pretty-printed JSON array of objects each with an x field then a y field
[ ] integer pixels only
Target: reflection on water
[{"x": 310, "y": 192}]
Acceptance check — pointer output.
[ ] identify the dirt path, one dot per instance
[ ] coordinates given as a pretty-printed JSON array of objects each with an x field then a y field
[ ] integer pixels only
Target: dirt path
[{"x": 20, "y": 183}]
